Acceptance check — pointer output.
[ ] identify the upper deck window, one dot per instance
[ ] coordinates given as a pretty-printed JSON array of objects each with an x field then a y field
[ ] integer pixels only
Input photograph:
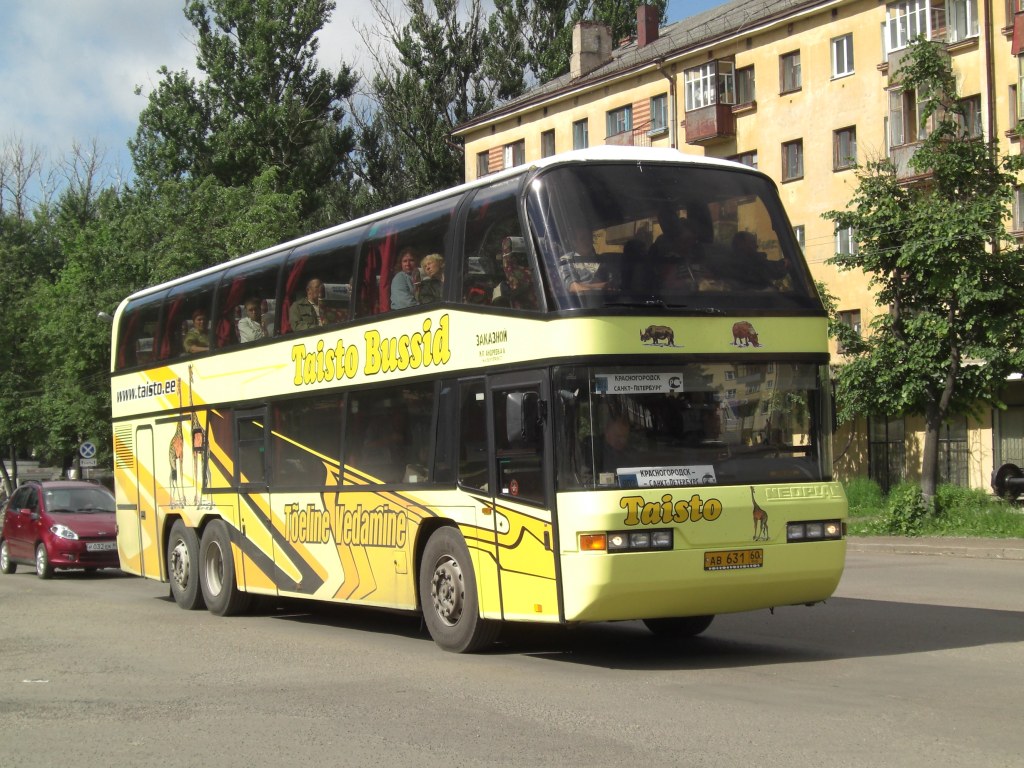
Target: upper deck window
[{"x": 669, "y": 236}]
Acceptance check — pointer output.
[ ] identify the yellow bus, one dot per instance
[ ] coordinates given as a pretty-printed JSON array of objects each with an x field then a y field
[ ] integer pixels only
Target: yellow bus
[{"x": 593, "y": 388}]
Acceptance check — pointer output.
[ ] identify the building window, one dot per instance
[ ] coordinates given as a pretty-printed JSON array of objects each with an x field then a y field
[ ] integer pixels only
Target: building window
[
  {"x": 1013, "y": 107},
  {"x": 580, "y": 135},
  {"x": 904, "y": 21},
  {"x": 961, "y": 20},
  {"x": 793, "y": 160},
  {"x": 659, "y": 113},
  {"x": 904, "y": 125},
  {"x": 953, "y": 452},
  {"x": 969, "y": 117},
  {"x": 886, "y": 451},
  {"x": 842, "y": 56},
  {"x": 851, "y": 319},
  {"x": 746, "y": 158},
  {"x": 801, "y": 237},
  {"x": 710, "y": 83},
  {"x": 745, "y": 85},
  {"x": 619, "y": 121},
  {"x": 844, "y": 148},
  {"x": 515, "y": 154},
  {"x": 547, "y": 143},
  {"x": 1018, "y": 209},
  {"x": 482, "y": 164},
  {"x": 846, "y": 241},
  {"x": 789, "y": 72}
]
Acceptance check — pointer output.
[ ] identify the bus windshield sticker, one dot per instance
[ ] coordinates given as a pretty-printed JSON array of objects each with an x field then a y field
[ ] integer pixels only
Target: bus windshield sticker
[
  {"x": 666, "y": 477},
  {"x": 637, "y": 383}
]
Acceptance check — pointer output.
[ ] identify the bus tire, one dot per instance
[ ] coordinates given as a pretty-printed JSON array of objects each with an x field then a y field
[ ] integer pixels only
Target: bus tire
[
  {"x": 448, "y": 597},
  {"x": 183, "y": 567},
  {"x": 679, "y": 626},
  {"x": 217, "y": 572}
]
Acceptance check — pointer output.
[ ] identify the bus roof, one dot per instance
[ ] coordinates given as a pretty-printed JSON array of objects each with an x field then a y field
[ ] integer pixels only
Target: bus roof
[{"x": 603, "y": 153}]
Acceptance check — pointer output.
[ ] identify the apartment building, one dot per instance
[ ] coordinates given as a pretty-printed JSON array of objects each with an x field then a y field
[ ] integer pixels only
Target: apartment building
[{"x": 802, "y": 90}]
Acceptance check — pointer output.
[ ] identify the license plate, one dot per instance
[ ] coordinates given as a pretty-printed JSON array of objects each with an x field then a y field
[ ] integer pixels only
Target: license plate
[
  {"x": 100, "y": 546},
  {"x": 733, "y": 559}
]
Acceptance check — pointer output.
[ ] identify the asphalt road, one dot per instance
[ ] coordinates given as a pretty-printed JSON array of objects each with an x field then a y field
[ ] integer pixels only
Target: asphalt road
[{"x": 917, "y": 661}]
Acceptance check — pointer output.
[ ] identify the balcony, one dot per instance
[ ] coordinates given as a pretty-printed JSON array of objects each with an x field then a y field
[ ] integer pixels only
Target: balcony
[{"x": 708, "y": 125}]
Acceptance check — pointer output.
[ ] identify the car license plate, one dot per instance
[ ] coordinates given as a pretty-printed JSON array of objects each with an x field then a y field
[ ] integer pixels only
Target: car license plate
[
  {"x": 100, "y": 546},
  {"x": 733, "y": 559}
]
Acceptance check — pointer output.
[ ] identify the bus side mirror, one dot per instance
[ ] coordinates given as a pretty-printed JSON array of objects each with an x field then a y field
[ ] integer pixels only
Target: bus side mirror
[{"x": 522, "y": 417}]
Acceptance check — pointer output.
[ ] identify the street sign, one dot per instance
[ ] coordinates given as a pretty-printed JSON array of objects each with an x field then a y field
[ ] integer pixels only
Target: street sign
[
  {"x": 87, "y": 451},
  {"x": 87, "y": 463}
]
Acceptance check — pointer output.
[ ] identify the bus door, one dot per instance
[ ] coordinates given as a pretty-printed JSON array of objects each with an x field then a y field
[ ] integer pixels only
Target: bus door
[
  {"x": 146, "y": 504},
  {"x": 521, "y": 493}
]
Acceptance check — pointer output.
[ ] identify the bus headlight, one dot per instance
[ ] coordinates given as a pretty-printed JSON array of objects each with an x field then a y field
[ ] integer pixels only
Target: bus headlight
[
  {"x": 814, "y": 530},
  {"x": 627, "y": 541}
]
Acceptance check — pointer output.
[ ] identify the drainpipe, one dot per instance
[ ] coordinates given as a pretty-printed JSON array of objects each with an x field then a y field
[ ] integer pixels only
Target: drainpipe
[
  {"x": 672, "y": 109},
  {"x": 990, "y": 85}
]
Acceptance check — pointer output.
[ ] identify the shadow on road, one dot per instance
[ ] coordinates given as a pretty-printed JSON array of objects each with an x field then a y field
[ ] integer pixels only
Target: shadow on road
[{"x": 842, "y": 628}]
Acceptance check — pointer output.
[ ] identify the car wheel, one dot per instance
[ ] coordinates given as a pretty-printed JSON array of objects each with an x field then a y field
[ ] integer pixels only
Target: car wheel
[
  {"x": 183, "y": 567},
  {"x": 448, "y": 595},
  {"x": 6, "y": 564},
  {"x": 217, "y": 572},
  {"x": 43, "y": 568}
]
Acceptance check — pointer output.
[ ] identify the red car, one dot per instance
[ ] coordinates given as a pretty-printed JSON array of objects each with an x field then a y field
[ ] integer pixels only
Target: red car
[{"x": 59, "y": 524}]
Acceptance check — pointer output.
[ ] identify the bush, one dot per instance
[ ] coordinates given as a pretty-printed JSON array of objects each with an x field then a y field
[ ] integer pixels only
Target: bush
[
  {"x": 905, "y": 512},
  {"x": 865, "y": 497}
]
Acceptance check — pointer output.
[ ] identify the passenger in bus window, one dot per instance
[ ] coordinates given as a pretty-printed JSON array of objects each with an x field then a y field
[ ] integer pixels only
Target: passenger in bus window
[
  {"x": 746, "y": 264},
  {"x": 516, "y": 289},
  {"x": 250, "y": 327},
  {"x": 677, "y": 252},
  {"x": 405, "y": 281},
  {"x": 305, "y": 313},
  {"x": 580, "y": 268},
  {"x": 198, "y": 338},
  {"x": 432, "y": 283}
]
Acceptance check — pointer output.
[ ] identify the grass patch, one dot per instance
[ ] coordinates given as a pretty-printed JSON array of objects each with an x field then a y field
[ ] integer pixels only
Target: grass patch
[{"x": 956, "y": 511}]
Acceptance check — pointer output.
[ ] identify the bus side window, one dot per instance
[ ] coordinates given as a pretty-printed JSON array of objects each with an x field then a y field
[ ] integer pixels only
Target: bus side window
[{"x": 473, "y": 435}]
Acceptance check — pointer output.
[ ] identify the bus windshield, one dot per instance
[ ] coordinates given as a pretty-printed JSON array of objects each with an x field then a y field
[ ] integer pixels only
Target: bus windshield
[
  {"x": 691, "y": 425},
  {"x": 680, "y": 237}
]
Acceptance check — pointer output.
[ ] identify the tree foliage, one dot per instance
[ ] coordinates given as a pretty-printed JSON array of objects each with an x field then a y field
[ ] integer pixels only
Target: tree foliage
[
  {"x": 938, "y": 256},
  {"x": 264, "y": 103}
]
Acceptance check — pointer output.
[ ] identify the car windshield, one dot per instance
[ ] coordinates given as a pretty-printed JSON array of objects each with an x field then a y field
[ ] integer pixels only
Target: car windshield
[
  {"x": 691, "y": 425},
  {"x": 672, "y": 236},
  {"x": 78, "y": 500}
]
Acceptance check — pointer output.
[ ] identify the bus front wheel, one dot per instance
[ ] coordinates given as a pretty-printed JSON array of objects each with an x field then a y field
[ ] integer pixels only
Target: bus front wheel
[
  {"x": 448, "y": 595},
  {"x": 679, "y": 626},
  {"x": 183, "y": 567},
  {"x": 217, "y": 572}
]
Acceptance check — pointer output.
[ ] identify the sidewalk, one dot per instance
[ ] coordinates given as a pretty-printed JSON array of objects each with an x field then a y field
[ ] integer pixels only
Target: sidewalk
[{"x": 999, "y": 549}]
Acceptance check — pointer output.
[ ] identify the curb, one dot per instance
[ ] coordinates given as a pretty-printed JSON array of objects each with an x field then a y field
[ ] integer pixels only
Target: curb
[{"x": 992, "y": 549}]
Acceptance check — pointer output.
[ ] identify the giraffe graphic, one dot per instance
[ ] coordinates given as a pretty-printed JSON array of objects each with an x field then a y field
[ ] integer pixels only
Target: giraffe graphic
[
  {"x": 760, "y": 519},
  {"x": 176, "y": 456},
  {"x": 200, "y": 448}
]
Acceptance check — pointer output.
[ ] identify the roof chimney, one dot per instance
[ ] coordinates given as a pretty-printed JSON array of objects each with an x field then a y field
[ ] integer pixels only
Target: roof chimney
[
  {"x": 646, "y": 25},
  {"x": 591, "y": 48}
]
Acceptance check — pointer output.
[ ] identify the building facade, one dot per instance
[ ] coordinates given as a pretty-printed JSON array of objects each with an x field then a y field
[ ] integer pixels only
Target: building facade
[{"x": 802, "y": 90}]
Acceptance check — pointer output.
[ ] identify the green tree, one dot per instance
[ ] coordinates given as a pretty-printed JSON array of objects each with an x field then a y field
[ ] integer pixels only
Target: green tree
[
  {"x": 938, "y": 256},
  {"x": 432, "y": 81},
  {"x": 536, "y": 35},
  {"x": 264, "y": 103}
]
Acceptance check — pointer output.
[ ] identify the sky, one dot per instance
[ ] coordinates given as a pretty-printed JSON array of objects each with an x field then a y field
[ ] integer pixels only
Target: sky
[{"x": 69, "y": 70}]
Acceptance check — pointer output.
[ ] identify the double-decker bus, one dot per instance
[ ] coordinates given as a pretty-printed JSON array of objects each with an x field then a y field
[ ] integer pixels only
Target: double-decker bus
[{"x": 592, "y": 388}]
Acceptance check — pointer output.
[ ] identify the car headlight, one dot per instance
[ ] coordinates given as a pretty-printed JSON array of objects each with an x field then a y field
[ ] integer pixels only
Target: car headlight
[{"x": 64, "y": 532}]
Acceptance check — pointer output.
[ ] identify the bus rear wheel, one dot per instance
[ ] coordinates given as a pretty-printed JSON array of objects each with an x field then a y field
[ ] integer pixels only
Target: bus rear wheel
[
  {"x": 448, "y": 597},
  {"x": 183, "y": 567},
  {"x": 679, "y": 626},
  {"x": 217, "y": 572}
]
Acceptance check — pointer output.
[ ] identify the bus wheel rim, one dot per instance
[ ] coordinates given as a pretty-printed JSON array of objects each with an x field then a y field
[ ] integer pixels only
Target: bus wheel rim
[
  {"x": 181, "y": 565},
  {"x": 447, "y": 591},
  {"x": 214, "y": 568}
]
